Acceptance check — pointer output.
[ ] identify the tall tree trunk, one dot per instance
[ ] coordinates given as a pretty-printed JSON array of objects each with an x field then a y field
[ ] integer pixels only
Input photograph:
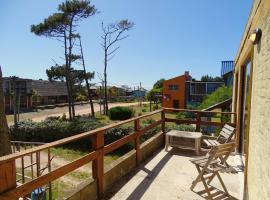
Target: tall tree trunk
[
  {"x": 69, "y": 66},
  {"x": 87, "y": 83},
  {"x": 67, "y": 77},
  {"x": 5, "y": 147},
  {"x": 105, "y": 84}
]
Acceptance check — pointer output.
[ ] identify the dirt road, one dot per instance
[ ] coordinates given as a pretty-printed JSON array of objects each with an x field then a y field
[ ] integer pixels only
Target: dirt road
[{"x": 41, "y": 115}]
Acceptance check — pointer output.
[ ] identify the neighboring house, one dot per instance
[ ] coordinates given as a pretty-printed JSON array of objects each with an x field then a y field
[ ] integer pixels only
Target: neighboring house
[
  {"x": 174, "y": 91},
  {"x": 49, "y": 93},
  {"x": 227, "y": 68},
  {"x": 116, "y": 92},
  {"x": 23, "y": 92},
  {"x": 139, "y": 93},
  {"x": 179, "y": 91},
  {"x": 197, "y": 90}
]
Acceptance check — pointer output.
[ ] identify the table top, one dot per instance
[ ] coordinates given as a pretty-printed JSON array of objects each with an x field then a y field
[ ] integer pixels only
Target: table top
[{"x": 184, "y": 134}]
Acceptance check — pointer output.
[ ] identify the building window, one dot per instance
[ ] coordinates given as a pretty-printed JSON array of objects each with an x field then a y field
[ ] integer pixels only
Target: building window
[{"x": 173, "y": 87}]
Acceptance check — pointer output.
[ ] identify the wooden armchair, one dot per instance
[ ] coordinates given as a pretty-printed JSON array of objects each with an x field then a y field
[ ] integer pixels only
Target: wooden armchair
[
  {"x": 225, "y": 136},
  {"x": 210, "y": 165}
]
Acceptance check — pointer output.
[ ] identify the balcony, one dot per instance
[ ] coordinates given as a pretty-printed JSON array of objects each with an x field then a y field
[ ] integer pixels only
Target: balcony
[{"x": 146, "y": 172}]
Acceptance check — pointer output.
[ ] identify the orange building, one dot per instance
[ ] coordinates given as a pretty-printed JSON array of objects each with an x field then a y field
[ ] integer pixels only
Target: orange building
[{"x": 174, "y": 91}]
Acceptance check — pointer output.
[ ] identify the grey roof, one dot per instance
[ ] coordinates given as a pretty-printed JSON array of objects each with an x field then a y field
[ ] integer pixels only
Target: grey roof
[{"x": 47, "y": 88}]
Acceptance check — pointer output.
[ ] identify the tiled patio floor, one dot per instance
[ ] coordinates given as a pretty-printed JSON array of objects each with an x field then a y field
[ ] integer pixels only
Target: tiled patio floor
[{"x": 168, "y": 176}]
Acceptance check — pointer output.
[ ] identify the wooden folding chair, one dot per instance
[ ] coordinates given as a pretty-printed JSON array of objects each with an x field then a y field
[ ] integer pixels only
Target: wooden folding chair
[
  {"x": 225, "y": 136},
  {"x": 210, "y": 165}
]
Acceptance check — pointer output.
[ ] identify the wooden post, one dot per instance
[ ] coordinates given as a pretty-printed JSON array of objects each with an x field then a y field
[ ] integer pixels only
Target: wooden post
[
  {"x": 98, "y": 164},
  {"x": 163, "y": 121},
  {"x": 198, "y": 124},
  {"x": 137, "y": 141},
  {"x": 7, "y": 176}
]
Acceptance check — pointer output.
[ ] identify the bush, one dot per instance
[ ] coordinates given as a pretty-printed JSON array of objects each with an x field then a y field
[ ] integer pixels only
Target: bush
[
  {"x": 155, "y": 107},
  {"x": 184, "y": 127},
  {"x": 120, "y": 113},
  {"x": 52, "y": 129},
  {"x": 143, "y": 110}
]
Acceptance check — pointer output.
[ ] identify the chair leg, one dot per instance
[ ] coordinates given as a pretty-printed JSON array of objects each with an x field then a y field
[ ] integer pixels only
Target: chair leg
[
  {"x": 211, "y": 178},
  {"x": 199, "y": 177},
  {"x": 206, "y": 188},
  {"x": 222, "y": 183}
]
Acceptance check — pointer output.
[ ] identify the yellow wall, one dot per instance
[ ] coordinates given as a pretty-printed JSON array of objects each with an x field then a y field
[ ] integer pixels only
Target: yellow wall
[{"x": 258, "y": 170}]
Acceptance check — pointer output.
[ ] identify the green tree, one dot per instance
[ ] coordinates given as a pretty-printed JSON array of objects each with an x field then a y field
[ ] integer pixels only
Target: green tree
[
  {"x": 210, "y": 78},
  {"x": 112, "y": 34},
  {"x": 221, "y": 94},
  {"x": 62, "y": 25},
  {"x": 5, "y": 147},
  {"x": 159, "y": 84}
]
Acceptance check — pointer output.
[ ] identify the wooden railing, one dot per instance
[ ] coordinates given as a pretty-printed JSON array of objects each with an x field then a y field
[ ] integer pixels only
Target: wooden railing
[{"x": 9, "y": 190}]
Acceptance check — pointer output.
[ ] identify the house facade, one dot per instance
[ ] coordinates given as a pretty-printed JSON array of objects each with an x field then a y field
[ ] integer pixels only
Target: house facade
[
  {"x": 30, "y": 93},
  {"x": 181, "y": 90},
  {"x": 197, "y": 90},
  {"x": 174, "y": 91},
  {"x": 49, "y": 93},
  {"x": 17, "y": 91},
  {"x": 251, "y": 100}
]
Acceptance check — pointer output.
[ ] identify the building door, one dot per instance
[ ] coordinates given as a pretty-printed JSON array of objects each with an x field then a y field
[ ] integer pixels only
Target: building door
[
  {"x": 245, "y": 110},
  {"x": 176, "y": 104}
]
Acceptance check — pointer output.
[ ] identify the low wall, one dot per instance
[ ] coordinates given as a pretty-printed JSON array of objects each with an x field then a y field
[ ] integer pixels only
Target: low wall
[{"x": 119, "y": 168}]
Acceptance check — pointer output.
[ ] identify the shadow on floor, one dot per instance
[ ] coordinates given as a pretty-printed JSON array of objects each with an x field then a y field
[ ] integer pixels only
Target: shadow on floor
[
  {"x": 140, "y": 190},
  {"x": 216, "y": 194}
]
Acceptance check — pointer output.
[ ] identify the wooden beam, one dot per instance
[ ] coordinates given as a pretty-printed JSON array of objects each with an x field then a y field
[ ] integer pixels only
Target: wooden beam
[
  {"x": 196, "y": 111},
  {"x": 98, "y": 163},
  {"x": 115, "y": 145}
]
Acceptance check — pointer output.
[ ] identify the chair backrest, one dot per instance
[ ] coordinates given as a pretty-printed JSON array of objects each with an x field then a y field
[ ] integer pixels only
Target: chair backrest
[
  {"x": 226, "y": 134},
  {"x": 220, "y": 152}
]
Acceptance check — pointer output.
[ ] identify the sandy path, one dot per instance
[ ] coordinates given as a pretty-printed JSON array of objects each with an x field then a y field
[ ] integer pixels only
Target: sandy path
[{"x": 83, "y": 110}]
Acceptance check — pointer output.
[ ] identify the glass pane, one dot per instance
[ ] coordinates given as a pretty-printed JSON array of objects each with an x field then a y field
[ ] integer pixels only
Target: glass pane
[{"x": 246, "y": 102}]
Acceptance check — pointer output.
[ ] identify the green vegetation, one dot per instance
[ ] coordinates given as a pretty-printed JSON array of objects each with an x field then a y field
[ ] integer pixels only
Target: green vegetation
[
  {"x": 120, "y": 113},
  {"x": 67, "y": 153},
  {"x": 221, "y": 94},
  {"x": 53, "y": 129},
  {"x": 210, "y": 78}
]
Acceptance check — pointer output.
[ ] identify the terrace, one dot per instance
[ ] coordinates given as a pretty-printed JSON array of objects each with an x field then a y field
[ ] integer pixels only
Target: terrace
[{"x": 146, "y": 172}]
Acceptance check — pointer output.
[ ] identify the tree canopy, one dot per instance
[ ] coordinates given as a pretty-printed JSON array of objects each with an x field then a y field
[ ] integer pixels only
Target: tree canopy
[
  {"x": 159, "y": 84},
  {"x": 210, "y": 78}
]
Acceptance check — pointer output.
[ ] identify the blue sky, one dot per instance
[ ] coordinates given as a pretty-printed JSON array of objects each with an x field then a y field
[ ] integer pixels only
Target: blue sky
[{"x": 169, "y": 37}]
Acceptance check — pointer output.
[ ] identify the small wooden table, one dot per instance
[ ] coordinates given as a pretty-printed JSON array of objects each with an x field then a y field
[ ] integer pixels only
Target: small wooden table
[{"x": 184, "y": 140}]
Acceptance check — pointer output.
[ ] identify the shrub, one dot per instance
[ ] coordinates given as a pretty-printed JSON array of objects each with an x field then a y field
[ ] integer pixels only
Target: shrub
[
  {"x": 120, "y": 113},
  {"x": 143, "y": 110},
  {"x": 155, "y": 107},
  {"x": 184, "y": 127},
  {"x": 51, "y": 129}
]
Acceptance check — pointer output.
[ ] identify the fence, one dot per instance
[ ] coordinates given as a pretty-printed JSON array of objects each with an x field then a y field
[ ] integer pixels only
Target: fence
[{"x": 10, "y": 190}]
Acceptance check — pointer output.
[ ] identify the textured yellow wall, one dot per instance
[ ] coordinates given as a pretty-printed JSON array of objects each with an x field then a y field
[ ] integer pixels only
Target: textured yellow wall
[{"x": 258, "y": 177}]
